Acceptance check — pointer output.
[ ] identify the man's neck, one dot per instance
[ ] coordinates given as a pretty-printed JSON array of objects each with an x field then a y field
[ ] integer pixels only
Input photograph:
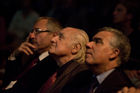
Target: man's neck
[
  {"x": 40, "y": 51},
  {"x": 98, "y": 69}
]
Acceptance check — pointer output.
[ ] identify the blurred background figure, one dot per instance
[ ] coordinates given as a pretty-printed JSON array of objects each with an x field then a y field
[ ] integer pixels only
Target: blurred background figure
[
  {"x": 2, "y": 46},
  {"x": 2, "y": 30},
  {"x": 16, "y": 21},
  {"x": 22, "y": 22},
  {"x": 126, "y": 18},
  {"x": 73, "y": 13}
]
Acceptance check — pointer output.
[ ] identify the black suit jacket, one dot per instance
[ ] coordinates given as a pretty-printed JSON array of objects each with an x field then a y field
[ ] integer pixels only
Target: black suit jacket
[
  {"x": 67, "y": 75},
  {"x": 35, "y": 77},
  {"x": 114, "y": 82}
]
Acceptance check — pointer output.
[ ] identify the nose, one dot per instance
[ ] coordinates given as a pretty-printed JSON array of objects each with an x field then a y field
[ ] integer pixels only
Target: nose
[
  {"x": 54, "y": 39},
  {"x": 89, "y": 45},
  {"x": 32, "y": 35}
]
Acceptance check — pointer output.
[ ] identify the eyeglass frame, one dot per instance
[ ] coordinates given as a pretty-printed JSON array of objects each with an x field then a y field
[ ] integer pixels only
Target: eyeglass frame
[{"x": 38, "y": 30}]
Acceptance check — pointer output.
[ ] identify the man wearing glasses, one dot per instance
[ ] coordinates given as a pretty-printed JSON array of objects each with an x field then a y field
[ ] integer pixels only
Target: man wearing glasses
[{"x": 21, "y": 77}]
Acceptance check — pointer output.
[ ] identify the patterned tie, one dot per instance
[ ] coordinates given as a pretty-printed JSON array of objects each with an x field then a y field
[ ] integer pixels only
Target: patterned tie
[
  {"x": 48, "y": 83},
  {"x": 94, "y": 85}
]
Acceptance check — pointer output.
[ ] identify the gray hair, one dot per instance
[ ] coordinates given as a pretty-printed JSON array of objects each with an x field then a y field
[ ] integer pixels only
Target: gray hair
[
  {"x": 119, "y": 41},
  {"x": 81, "y": 38},
  {"x": 53, "y": 25}
]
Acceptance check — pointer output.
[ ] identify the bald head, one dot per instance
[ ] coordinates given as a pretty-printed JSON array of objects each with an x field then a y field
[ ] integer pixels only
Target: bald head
[
  {"x": 77, "y": 34},
  {"x": 69, "y": 44},
  {"x": 79, "y": 38}
]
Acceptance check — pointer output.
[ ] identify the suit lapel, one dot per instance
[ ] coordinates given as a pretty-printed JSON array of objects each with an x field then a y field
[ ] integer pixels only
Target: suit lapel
[
  {"x": 115, "y": 81},
  {"x": 68, "y": 70},
  {"x": 106, "y": 82}
]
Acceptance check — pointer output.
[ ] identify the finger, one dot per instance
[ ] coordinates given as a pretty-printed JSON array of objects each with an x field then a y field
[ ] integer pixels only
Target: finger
[
  {"x": 119, "y": 91},
  {"x": 131, "y": 90},
  {"x": 22, "y": 49},
  {"x": 26, "y": 52},
  {"x": 30, "y": 45},
  {"x": 125, "y": 90},
  {"x": 27, "y": 44},
  {"x": 137, "y": 91},
  {"x": 27, "y": 49}
]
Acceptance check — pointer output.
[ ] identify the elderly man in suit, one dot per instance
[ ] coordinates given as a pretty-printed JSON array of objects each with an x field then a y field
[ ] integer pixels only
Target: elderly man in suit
[
  {"x": 29, "y": 77},
  {"x": 68, "y": 49},
  {"x": 108, "y": 49}
]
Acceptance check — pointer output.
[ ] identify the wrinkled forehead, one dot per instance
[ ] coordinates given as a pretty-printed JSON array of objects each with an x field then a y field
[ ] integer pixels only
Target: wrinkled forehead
[{"x": 66, "y": 33}]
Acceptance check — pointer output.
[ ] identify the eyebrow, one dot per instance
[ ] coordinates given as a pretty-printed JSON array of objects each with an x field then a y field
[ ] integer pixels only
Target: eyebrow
[{"x": 97, "y": 38}]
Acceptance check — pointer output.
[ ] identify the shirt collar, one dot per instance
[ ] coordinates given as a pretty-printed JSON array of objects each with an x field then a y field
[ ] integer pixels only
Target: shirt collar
[
  {"x": 101, "y": 77},
  {"x": 43, "y": 55}
]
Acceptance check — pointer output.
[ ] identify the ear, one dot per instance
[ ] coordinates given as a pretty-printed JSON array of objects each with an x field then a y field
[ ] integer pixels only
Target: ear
[
  {"x": 114, "y": 54},
  {"x": 76, "y": 48}
]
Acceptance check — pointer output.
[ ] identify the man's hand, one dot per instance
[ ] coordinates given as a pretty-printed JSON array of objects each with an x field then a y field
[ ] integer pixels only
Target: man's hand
[
  {"x": 129, "y": 90},
  {"x": 26, "y": 48}
]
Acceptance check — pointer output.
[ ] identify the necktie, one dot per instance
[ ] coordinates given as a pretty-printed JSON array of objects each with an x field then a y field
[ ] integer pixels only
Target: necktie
[
  {"x": 48, "y": 83},
  {"x": 31, "y": 65},
  {"x": 94, "y": 84}
]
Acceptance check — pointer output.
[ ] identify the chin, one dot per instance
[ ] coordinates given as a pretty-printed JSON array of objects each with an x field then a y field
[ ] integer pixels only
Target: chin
[
  {"x": 51, "y": 52},
  {"x": 89, "y": 61}
]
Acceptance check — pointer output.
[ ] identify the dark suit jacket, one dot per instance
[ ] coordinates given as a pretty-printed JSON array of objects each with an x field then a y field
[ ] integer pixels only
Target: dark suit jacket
[
  {"x": 114, "y": 82},
  {"x": 67, "y": 75},
  {"x": 35, "y": 77}
]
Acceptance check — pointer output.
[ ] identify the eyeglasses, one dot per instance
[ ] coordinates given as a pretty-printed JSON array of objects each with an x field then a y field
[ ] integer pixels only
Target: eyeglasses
[{"x": 38, "y": 30}]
